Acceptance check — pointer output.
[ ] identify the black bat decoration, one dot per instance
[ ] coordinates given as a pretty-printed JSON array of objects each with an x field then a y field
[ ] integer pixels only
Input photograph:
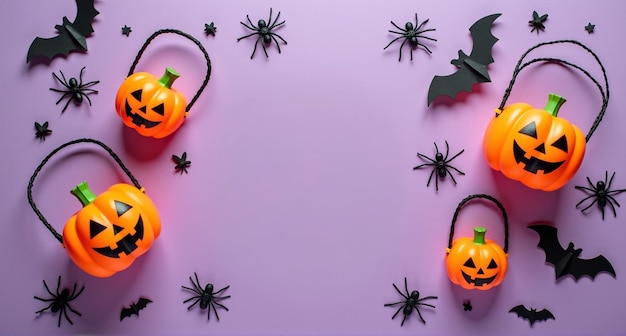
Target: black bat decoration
[
  {"x": 567, "y": 261},
  {"x": 472, "y": 69},
  {"x": 134, "y": 308},
  {"x": 72, "y": 35},
  {"x": 532, "y": 315}
]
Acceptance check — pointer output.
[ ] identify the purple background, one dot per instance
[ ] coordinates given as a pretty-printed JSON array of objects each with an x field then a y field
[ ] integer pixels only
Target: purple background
[{"x": 301, "y": 195}]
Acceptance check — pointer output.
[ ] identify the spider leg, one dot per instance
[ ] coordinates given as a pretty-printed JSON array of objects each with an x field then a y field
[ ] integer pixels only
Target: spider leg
[
  {"x": 399, "y": 292},
  {"x": 72, "y": 310},
  {"x": 406, "y": 288},
  {"x": 86, "y": 96},
  {"x": 450, "y": 174},
  {"x": 275, "y": 41},
  {"x": 430, "y": 177},
  {"x": 395, "y": 303},
  {"x": 220, "y": 305},
  {"x": 48, "y": 289},
  {"x": 280, "y": 37},
  {"x": 41, "y": 299},
  {"x": 584, "y": 199},
  {"x": 199, "y": 292},
  {"x": 63, "y": 82},
  {"x": 610, "y": 203},
  {"x": 403, "y": 319},
  {"x": 615, "y": 192},
  {"x": 426, "y": 158},
  {"x": 66, "y": 104},
  {"x": 61, "y": 313},
  {"x": 194, "y": 303},
  {"x": 425, "y": 47},
  {"x": 255, "y": 44},
  {"x": 445, "y": 158},
  {"x": 243, "y": 37},
  {"x": 400, "y": 50},
  {"x": 395, "y": 25},
  {"x": 42, "y": 310},
  {"x": 80, "y": 76},
  {"x": 426, "y": 37},
  {"x": 220, "y": 298},
  {"x": 418, "y": 27},
  {"x": 419, "y": 314},
  {"x": 269, "y": 20},
  {"x": 251, "y": 24},
  {"x": 611, "y": 198},
  {"x": 221, "y": 290},
  {"x": 63, "y": 96},
  {"x": 585, "y": 188},
  {"x": 92, "y": 83},
  {"x": 458, "y": 171},
  {"x": 397, "y": 311},
  {"x": 606, "y": 177},
  {"x": 73, "y": 296},
  {"x": 459, "y": 153},
  {"x": 392, "y": 41},
  {"x": 214, "y": 310},
  {"x": 276, "y": 25},
  {"x": 264, "y": 50},
  {"x": 589, "y": 206},
  {"x": 593, "y": 186}
]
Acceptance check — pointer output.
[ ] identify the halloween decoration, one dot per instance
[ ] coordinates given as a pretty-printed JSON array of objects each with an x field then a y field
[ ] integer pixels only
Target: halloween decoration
[
  {"x": 537, "y": 22},
  {"x": 42, "y": 131},
  {"x": 477, "y": 263},
  {"x": 60, "y": 301},
  {"x": 126, "y": 30},
  {"x": 112, "y": 229},
  {"x": 181, "y": 163},
  {"x": 590, "y": 28},
  {"x": 72, "y": 35},
  {"x": 411, "y": 301},
  {"x": 472, "y": 69},
  {"x": 206, "y": 297},
  {"x": 440, "y": 165},
  {"x": 210, "y": 29},
  {"x": 532, "y": 315},
  {"x": 535, "y": 146},
  {"x": 150, "y": 105},
  {"x": 412, "y": 34},
  {"x": 467, "y": 306},
  {"x": 265, "y": 30},
  {"x": 567, "y": 261},
  {"x": 134, "y": 308},
  {"x": 76, "y": 90},
  {"x": 601, "y": 194}
]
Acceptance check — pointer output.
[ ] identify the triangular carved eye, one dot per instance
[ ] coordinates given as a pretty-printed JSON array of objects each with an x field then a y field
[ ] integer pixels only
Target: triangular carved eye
[
  {"x": 561, "y": 143},
  {"x": 117, "y": 229},
  {"x": 469, "y": 263},
  {"x": 121, "y": 208},
  {"x": 530, "y": 130},
  {"x": 95, "y": 228},
  {"x": 492, "y": 264},
  {"x": 137, "y": 94},
  {"x": 160, "y": 109}
]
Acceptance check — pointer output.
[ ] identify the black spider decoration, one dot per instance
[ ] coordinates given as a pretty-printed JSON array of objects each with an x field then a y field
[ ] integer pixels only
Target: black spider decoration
[
  {"x": 76, "y": 90},
  {"x": 412, "y": 34},
  {"x": 601, "y": 193},
  {"x": 60, "y": 301},
  {"x": 206, "y": 297},
  {"x": 265, "y": 32},
  {"x": 411, "y": 301},
  {"x": 210, "y": 29},
  {"x": 590, "y": 28},
  {"x": 42, "y": 130},
  {"x": 440, "y": 165},
  {"x": 126, "y": 30},
  {"x": 181, "y": 163},
  {"x": 537, "y": 22}
]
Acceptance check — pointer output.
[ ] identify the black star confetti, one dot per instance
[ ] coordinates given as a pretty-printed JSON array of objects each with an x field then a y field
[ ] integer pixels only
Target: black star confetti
[
  {"x": 42, "y": 130},
  {"x": 467, "y": 306},
  {"x": 181, "y": 163},
  {"x": 537, "y": 22},
  {"x": 126, "y": 30},
  {"x": 210, "y": 29},
  {"x": 590, "y": 27}
]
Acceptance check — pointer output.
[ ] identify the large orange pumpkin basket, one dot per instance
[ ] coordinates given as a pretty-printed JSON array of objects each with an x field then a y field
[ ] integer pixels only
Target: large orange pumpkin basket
[
  {"x": 477, "y": 263},
  {"x": 112, "y": 229},
  {"x": 533, "y": 145}
]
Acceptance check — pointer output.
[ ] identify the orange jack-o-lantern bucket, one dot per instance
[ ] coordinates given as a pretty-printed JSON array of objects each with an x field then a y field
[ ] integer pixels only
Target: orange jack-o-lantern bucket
[
  {"x": 150, "y": 105},
  {"x": 535, "y": 146},
  {"x": 477, "y": 263},
  {"x": 112, "y": 229}
]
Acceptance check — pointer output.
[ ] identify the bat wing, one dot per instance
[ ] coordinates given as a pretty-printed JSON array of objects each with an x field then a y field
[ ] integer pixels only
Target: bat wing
[
  {"x": 126, "y": 312},
  {"x": 549, "y": 243},
  {"x": 61, "y": 44},
  {"x": 544, "y": 315},
  {"x": 521, "y": 311},
  {"x": 591, "y": 267},
  {"x": 84, "y": 16},
  {"x": 460, "y": 81},
  {"x": 483, "y": 39},
  {"x": 142, "y": 303}
]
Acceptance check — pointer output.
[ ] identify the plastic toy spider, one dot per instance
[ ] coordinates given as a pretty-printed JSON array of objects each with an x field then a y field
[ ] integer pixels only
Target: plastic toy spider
[
  {"x": 76, "y": 90},
  {"x": 60, "y": 301},
  {"x": 206, "y": 297},
  {"x": 181, "y": 163},
  {"x": 264, "y": 30},
  {"x": 440, "y": 165},
  {"x": 411, "y": 34},
  {"x": 42, "y": 130},
  {"x": 601, "y": 193},
  {"x": 411, "y": 301}
]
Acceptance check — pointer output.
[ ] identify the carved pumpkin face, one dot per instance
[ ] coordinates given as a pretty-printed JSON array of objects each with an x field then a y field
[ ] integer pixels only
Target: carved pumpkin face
[
  {"x": 150, "y": 105},
  {"x": 111, "y": 230},
  {"x": 477, "y": 263},
  {"x": 534, "y": 146}
]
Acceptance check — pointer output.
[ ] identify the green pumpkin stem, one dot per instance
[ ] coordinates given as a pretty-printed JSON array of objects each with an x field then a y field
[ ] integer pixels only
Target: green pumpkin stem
[
  {"x": 169, "y": 77},
  {"x": 554, "y": 104},
  {"x": 479, "y": 235},
  {"x": 84, "y": 195}
]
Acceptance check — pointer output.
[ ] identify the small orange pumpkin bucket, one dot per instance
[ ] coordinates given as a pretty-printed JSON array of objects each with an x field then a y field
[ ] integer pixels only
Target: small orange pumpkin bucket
[
  {"x": 477, "y": 263},
  {"x": 150, "y": 105},
  {"x": 112, "y": 229}
]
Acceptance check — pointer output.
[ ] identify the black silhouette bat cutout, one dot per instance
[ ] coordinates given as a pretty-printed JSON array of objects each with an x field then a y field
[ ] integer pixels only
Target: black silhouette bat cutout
[
  {"x": 72, "y": 35},
  {"x": 567, "y": 261},
  {"x": 472, "y": 69},
  {"x": 134, "y": 308},
  {"x": 532, "y": 315}
]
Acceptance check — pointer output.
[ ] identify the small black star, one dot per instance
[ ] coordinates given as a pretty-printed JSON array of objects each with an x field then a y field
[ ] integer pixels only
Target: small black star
[
  {"x": 181, "y": 163},
  {"x": 126, "y": 30},
  {"x": 590, "y": 27},
  {"x": 467, "y": 306},
  {"x": 42, "y": 131},
  {"x": 537, "y": 22},
  {"x": 210, "y": 29}
]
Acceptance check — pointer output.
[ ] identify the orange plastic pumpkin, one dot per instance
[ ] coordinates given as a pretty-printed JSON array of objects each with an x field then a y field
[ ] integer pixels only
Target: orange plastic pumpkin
[
  {"x": 476, "y": 263},
  {"x": 111, "y": 230},
  {"x": 534, "y": 146},
  {"x": 150, "y": 105}
]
